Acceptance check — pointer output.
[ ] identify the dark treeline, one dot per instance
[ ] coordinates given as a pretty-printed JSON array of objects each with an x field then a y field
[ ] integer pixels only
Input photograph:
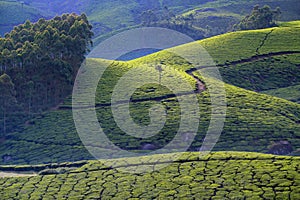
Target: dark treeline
[
  {"x": 167, "y": 19},
  {"x": 42, "y": 60},
  {"x": 259, "y": 18}
]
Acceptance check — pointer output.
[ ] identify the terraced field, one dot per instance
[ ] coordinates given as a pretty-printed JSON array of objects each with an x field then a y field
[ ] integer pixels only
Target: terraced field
[{"x": 223, "y": 175}]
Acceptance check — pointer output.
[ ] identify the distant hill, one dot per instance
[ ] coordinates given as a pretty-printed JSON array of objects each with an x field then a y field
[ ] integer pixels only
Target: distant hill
[
  {"x": 108, "y": 16},
  {"x": 13, "y": 13}
]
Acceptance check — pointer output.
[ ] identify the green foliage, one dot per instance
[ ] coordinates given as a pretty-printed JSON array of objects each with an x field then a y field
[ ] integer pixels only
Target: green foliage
[
  {"x": 225, "y": 175},
  {"x": 290, "y": 24},
  {"x": 259, "y": 18},
  {"x": 291, "y": 93},
  {"x": 43, "y": 58},
  {"x": 167, "y": 19},
  {"x": 36, "y": 143},
  {"x": 266, "y": 74},
  {"x": 7, "y": 100},
  {"x": 253, "y": 121},
  {"x": 109, "y": 17}
]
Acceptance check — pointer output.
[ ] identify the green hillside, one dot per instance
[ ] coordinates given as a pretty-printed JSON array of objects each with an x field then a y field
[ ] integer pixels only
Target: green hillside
[
  {"x": 291, "y": 93},
  {"x": 223, "y": 175},
  {"x": 253, "y": 122},
  {"x": 110, "y": 16},
  {"x": 218, "y": 17},
  {"x": 177, "y": 124},
  {"x": 256, "y": 60},
  {"x": 13, "y": 13}
]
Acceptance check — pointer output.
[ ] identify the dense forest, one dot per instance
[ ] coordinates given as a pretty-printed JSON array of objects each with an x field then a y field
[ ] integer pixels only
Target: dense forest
[{"x": 40, "y": 61}]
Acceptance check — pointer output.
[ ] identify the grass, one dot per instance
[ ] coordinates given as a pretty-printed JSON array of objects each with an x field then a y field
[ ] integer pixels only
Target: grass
[
  {"x": 253, "y": 122},
  {"x": 290, "y": 24},
  {"x": 222, "y": 175},
  {"x": 249, "y": 59},
  {"x": 289, "y": 8}
]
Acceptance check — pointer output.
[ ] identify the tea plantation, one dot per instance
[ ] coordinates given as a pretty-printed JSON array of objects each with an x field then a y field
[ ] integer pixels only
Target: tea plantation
[
  {"x": 258, "y": 60},
  {"x": 253, "y": 122},
  {"x": 290, "y": 93},
  {"x": 222, "y": 175}
]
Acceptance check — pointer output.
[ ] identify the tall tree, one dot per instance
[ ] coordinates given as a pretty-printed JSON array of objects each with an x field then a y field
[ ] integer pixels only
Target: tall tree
[
  {"x": 47, "y": 53},
  {"x": 7, "y": 98}
]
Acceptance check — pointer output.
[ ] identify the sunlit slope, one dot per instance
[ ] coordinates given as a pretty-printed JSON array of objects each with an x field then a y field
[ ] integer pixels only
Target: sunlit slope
[
  {"x": 253, "y": 121},
  {"x": 256, "y": 60},
  {"x": 218, "y": 176}
]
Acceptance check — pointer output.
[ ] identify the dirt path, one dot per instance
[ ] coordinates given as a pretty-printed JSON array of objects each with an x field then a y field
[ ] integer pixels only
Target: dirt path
[
  {"x": 200, "y": 85},
  {"x": 14, "y": 174}
]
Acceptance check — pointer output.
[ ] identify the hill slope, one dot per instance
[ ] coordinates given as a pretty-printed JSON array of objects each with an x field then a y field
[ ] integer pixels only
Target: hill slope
[
  {"x": 256, "y": 60},
  {"x": 253, "y": 122},
  {"x": 218, "y": 176},
  {"x": 15, "y": 13},
  {"x": 290, "y": 93}
]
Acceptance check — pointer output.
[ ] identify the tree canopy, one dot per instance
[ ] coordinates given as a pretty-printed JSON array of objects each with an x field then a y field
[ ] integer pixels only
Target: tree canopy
[
  {"x": 43, "y": 58},
  {"x": 41, "y": 61},
  {"x": 259, "y": 18},
  {"x": 7, "y": 99}
]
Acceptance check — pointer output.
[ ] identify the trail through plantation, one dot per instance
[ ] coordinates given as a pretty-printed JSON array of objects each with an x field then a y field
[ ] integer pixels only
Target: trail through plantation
[
  {"x": 14, "y": 174},
  {"x": 200, "y": 87}
]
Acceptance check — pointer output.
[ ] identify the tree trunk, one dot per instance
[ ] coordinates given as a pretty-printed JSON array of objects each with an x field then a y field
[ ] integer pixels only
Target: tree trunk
[{"x": 4, "y": 120}]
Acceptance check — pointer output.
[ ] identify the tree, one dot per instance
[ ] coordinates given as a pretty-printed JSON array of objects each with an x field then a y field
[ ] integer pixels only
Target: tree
[
  {"x": 7, "y": 98},
  {"x": 48, "y": 53},
  {"x": 30, "y": 86},
  {"x": 148, "y": 18},
  {"x": 259, "y": 18},
  {"x": 167, "y": 14}
]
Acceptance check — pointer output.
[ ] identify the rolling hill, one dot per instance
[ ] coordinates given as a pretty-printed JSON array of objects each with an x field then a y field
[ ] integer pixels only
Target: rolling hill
[
  {"x": 254, "y": 122},
  {"x": 256, "y": 60},
  {"x": 47, "y": 158}
]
